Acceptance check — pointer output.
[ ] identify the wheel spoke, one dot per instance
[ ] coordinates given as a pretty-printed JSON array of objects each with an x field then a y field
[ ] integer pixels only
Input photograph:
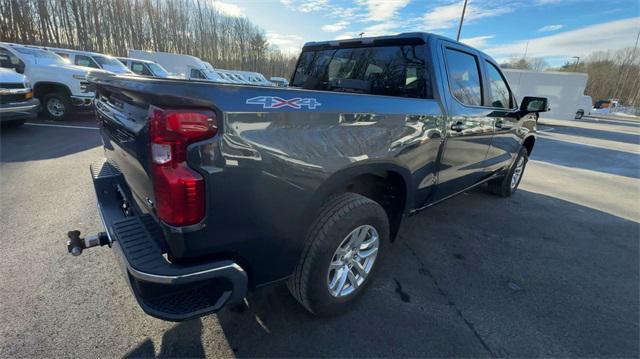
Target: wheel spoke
[
  {"x": 352, "y": 279},
  {"x": 367, "y": 252},
  {"x": 360, "y": 269},
  {"x": 370, "y": 241},
  {"x": 360, "y": 236},
  {"x": 343, "y": 280}
]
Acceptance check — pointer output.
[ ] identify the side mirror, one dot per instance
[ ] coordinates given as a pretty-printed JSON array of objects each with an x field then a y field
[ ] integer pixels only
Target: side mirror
[{"x": 534, "y": 104}]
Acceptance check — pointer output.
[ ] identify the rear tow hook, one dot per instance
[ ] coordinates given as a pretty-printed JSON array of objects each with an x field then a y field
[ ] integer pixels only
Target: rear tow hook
[{"x": 75, "y": 244}]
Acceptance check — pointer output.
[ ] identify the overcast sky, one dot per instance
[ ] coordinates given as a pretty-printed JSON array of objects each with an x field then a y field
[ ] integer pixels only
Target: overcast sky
[{"x": 554, "y": 29}]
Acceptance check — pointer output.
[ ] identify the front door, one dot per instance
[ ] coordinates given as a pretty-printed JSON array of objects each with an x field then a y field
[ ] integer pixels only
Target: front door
[
  {"x": 506, "y": 139},
  {"x": 469, "y": 128}
]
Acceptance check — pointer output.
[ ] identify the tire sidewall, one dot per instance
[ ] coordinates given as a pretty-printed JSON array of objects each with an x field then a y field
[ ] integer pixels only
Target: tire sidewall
[
  {"x": 318, "y": 295},
  {"x": 507, "y": 181}
]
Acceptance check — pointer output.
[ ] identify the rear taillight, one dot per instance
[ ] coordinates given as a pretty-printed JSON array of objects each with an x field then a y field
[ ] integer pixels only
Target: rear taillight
[{"x": 179, "y": 190}]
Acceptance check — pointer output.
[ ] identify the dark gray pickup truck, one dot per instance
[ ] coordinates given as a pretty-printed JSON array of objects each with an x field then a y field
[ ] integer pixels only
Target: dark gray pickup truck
[{"x": 209, "y": 190}]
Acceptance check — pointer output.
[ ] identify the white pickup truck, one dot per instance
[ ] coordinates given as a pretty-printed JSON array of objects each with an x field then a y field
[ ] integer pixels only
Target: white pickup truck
[{"x": 61, "y": 87}]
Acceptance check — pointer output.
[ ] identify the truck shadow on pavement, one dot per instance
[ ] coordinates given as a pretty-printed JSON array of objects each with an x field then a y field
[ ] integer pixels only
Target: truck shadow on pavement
[
  {"x": 531, "y": 275},
  {"x": 181, "y": 341},
  {"x": 475, "y": 276}
]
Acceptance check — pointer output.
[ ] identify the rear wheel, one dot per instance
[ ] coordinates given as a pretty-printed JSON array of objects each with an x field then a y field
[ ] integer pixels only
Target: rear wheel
[
  {"x": 507, "y": 185},
  {"x": 343, "y": 249},
  {"x": 579, "y": 114},
  {"x": 57, "y": 106}
]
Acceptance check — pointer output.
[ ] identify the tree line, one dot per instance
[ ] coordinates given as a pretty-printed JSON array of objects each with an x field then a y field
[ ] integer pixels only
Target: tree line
[
  {"x": 192, "y": 27},
  {"x": 612, "y": 74}
]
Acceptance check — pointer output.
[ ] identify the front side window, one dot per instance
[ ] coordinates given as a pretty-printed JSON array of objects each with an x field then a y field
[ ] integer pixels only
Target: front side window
[
  {"x": 158, "y": 70},
  {"x": 377, "y": 70},
  {"x": 197, "y": 74},
  {"x": 85, "y": 61},
  {"x": 499, "y": 96},
  {"x": 464, "y": 77},
  {"x": 10, "y": 61},
  {"x": 140, "y": 69}
]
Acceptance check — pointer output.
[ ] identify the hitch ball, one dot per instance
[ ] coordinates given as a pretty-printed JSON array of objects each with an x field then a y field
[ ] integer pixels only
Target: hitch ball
[{"x": 75, "y": 244}]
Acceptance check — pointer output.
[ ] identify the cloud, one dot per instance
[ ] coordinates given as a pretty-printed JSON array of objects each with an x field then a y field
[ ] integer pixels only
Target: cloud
[
  {"x": 380, "y": 10},
  {"x": 478, "y": 41},
  {"x": 305, "y": 5},
  {"x": 550, "y": 28},
  {"x": 228, "y": 9},
  {"x": 286, "y": 43},
  {"x": 340, "y": 25},
  {"x": 448, "y": 16},
  {"x": 606, "y": 36},
  {"x": 384, "y": 28}
]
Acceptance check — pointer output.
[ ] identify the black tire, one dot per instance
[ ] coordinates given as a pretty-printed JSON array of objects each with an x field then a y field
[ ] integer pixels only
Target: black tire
[
  {"x": 336, "y": 219},
  {"x": 63, "y": 104},
  {"x": 579, "y": 114},
  {"x": 502, "y": 186}
]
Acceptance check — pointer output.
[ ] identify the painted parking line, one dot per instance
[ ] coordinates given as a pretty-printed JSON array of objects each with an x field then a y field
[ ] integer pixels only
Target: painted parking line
[
  {"x": 61, "y": 126},
  {"x": 547, "y": 129}
]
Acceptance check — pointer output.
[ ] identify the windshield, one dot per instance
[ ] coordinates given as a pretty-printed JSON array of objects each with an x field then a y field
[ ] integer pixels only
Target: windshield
[
  {"x": 111, "y": 64},
  {"x": 158, "y": 70},
  {"x": 41, "y": 56}
]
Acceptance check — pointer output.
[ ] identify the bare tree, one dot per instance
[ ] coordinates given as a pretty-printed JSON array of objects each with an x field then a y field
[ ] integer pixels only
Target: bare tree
[{"x": 192, "y": 27}]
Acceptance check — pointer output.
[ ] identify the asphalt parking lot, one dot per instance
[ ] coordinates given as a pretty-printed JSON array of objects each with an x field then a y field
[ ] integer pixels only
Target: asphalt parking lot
[{"x": 551, "y": 271}]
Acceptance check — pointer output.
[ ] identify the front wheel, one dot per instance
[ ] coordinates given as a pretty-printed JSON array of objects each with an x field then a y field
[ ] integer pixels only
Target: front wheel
[
  {"x": 579, "y": 114},
  {"x": 507, "y": 185},
  {"x": 57, "y": 106},
  {"x": 342, "y": 251}
]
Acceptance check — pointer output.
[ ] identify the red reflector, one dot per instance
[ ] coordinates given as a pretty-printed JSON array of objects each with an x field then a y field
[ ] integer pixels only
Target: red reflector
[
  {"x": 179, "y": 193},
  {"x": 179, "y": 190}
]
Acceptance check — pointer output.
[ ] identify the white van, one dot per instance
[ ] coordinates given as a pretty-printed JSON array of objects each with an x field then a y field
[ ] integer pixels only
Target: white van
[
  {"x": 60, "y": 87},
  {"x": 91, "y": 59},
  {"x": 185, "y": 66}
]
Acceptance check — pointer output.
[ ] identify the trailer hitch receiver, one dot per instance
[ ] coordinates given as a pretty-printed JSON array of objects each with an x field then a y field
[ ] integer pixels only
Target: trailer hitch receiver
[{"x": 76, "y": 244}]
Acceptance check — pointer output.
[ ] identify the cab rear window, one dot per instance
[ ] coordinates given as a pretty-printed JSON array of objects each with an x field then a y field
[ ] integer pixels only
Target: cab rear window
[{"x": 379, "y": 70}]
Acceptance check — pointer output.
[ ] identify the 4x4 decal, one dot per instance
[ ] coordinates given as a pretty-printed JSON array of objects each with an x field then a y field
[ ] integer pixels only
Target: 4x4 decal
[{"x": 277, "y": 102}]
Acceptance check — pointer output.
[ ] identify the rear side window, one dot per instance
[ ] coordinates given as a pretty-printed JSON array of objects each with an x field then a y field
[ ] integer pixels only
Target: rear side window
[
  {"x": 499, "y": 95},
  {"x": 385, "y": 70},
  {"x": 464, "y": 77},
  {"x": 85, "y": 61}
]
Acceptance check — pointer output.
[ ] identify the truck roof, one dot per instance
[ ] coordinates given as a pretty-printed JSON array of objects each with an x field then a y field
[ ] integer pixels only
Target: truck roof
[{"x": 407, "y": 38}]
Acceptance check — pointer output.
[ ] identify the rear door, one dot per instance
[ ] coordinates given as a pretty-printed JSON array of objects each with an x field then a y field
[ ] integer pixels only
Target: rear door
[{"x": 469, "y": 129}]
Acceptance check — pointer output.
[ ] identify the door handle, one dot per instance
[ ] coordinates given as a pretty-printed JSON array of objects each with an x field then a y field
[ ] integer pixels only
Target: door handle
[
  {"x": 458, "y": 126},
  {"x": 503, "y": 126}
]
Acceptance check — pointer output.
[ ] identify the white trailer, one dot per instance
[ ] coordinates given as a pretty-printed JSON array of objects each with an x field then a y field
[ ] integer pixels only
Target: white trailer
[
  {"x": 184, "y": 66},
  {"x": 565, "y": 90}
]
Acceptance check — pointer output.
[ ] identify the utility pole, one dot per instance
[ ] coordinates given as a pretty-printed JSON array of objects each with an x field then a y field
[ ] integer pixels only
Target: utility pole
[
  {"x": 464, "y": 8},
  {"x": 575, "y": 67}
]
